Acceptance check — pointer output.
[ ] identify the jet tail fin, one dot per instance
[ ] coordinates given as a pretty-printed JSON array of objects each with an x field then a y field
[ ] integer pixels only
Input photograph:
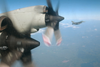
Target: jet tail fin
[{"x": 72, "y": 22}]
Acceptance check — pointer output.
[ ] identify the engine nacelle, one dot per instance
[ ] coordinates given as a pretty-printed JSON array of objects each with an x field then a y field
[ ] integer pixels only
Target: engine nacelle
[
  {"x": 26, "y": 43},
  {"x": 3, "y": 23},
  {"x": 24, "y": 20}
]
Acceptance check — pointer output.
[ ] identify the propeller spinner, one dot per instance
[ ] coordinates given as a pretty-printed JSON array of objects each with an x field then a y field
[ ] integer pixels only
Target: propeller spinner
[{"x": 52, "y": 25}]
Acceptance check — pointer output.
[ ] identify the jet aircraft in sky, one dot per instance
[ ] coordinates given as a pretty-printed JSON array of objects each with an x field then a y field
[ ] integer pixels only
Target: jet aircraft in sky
[{"x": 77, "y": 23}]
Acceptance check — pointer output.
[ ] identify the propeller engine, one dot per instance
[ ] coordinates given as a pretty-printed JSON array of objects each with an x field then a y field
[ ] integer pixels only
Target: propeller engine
[
  {"x": 52, "y": 22},
  {"x": 16, "y": 46}
]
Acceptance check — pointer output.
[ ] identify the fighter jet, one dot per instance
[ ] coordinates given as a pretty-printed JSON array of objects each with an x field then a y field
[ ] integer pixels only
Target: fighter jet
[
  {"x": 77, "y": 23},
  {"x": 16, "y": 27}
]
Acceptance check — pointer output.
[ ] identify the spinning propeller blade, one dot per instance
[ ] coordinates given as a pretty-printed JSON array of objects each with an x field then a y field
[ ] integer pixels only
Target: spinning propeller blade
[
  {"x": 52, "y": 25},
  {"x": 47, "y": 36}
]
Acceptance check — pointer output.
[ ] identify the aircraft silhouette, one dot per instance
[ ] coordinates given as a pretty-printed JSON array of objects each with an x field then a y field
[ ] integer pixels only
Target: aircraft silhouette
[{"x": 77, "y": 23}]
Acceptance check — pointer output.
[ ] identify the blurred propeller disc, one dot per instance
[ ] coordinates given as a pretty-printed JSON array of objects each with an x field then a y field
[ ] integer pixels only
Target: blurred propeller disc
[{"x": 53, "y": 25}]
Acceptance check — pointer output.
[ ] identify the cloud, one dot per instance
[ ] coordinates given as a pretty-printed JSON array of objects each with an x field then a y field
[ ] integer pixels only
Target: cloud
[
  {"x": 40, "y": 31},
  {"x": 85, "y": 37},
  {"x": 83, "y": 46},
  {"x": 67, "y": 25},
  {"x": 65, "y": 61},
  {"x": 95, "y": 29}
]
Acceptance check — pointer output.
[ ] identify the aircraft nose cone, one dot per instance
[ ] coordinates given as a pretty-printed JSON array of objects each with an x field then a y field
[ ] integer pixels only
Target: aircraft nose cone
[
  {"x": 32, "y": 43},
  {"x": 60, "y": 18}
]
